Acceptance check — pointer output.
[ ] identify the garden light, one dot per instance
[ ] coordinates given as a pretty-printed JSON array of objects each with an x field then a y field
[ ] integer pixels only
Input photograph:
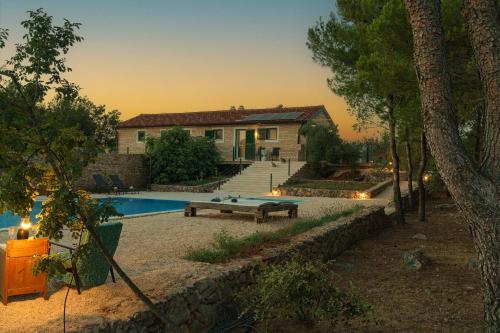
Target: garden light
[
  {"x": 427, "y": 178},
  {"x": 362, "y": 195}
]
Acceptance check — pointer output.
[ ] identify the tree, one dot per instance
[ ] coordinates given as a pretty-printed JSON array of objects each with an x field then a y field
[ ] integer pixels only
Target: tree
[
  {"x": 176, "y": 156},
  {"x": 476, "y": 191},
  {"x": 38, "y": 152},
  {"x": 369, "y": 51},
  {"x": 325, "y": 144},
  {"x": 92, "y": 120}
]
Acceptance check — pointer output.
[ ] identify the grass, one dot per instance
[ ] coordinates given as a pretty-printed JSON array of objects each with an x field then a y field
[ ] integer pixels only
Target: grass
[
  {"x": 225, "y": 245},
  {"x": 331, "y": 185}
]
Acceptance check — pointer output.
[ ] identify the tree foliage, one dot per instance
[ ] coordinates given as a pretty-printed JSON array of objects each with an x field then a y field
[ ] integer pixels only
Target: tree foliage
[
  {"x": 176, "y": 156},
  {"x": 41, "y": 149},
  {"x": 325, "y": 144}
]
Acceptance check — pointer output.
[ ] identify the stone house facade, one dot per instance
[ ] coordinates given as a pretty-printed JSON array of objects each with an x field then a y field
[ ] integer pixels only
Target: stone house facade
[{"x": 249, "y": 134}]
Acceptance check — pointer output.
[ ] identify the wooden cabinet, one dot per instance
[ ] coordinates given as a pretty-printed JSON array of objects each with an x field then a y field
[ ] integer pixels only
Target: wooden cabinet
[{"x": 16, "y": 263}]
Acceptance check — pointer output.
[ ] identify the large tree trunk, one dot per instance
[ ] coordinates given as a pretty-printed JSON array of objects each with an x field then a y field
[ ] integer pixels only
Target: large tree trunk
[
  {"x": 409, "y": 169},
  {"x": 421, "y": 171},
  {"x": 398, "y": 202},
  {"x": 476, "y": 193},
  {"x": 482, "y": 18},
  {"x": 478, "y": 145}
]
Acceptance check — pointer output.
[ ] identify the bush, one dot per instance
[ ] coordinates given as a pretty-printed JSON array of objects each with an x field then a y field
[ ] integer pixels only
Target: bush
[
  {"x": 300, "y": 290},
  {"x": 177, "y": 157}
]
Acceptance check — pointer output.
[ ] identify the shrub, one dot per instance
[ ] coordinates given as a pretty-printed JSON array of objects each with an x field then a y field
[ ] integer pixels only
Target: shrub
[
  {"x": 300, "y": 290},
  {"x": 177, "y": 157}
]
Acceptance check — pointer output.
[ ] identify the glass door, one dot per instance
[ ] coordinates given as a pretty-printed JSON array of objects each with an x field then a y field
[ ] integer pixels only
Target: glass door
[
  {"x": 240, "y": 142},
  {"x": 250, "y": 145}
]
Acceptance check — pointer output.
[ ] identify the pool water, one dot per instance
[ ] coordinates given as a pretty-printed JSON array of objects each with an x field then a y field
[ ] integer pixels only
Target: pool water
[{"x": 125, "y": 206}]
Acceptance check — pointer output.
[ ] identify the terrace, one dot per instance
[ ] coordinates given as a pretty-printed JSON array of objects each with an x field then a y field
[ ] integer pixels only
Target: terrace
[{"x": 151, "y": 251}]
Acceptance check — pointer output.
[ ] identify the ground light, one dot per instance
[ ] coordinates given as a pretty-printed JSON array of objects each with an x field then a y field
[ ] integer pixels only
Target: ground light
[
  {"x": 276, "y": 192},
  {"x": 426, "y": 178},
  {"x": 362, "y": 195}
]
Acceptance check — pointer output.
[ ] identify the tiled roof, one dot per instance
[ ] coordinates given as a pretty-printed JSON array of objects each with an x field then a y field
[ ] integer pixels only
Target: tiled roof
[{"x": 222, "y": 117}]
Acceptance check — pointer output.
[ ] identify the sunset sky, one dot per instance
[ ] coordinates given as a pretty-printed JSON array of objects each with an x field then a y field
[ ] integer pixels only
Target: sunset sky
[{"x": 179, "y": 56}]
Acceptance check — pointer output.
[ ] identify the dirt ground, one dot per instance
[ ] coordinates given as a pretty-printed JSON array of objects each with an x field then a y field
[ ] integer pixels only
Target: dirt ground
[{"x": 444, "y": 297}]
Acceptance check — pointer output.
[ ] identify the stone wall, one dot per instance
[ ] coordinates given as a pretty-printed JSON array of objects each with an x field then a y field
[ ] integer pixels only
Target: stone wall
[
  {"x": 205, "y": 188},
  {"x": 130, "y": 168},
  {"x": 315, "y": 192},
  {"x": 201, "y": 303},
  {"x": 371, "y": 192}
]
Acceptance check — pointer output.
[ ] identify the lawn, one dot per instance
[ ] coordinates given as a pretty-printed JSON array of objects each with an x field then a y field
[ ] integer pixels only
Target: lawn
[
  {"x": 332, "y": 185},
  {"x": 225, "y": 246}
]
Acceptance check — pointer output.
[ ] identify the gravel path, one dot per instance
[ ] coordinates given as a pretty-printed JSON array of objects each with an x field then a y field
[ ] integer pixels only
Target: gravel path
[{"x": 150, "y": 251}]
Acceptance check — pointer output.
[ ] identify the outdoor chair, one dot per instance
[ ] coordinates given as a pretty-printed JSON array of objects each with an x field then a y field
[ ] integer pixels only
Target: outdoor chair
[
  {"x": 93, "y": 268},
  {"x": 275, "y": 154},
  {"x": 119, "y": 186},
  {"x": 100, "y": 184}
]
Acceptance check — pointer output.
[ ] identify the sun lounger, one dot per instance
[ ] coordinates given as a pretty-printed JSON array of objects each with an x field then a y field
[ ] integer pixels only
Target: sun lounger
[
  {"x": 260, "y": 209},
  {"x": 119, "y": 187},
  {"x": 101, "y": 184}
]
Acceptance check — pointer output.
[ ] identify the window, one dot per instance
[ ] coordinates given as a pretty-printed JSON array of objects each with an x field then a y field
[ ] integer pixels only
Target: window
[
  {"x": 141, "y": 136},
  {"x": 268, "y": 134},
  {"x": 215, "y": 134}
]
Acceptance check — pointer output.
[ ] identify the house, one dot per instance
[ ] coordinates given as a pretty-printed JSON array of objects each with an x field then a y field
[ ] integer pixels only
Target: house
[{"x": 238, "y": 133}]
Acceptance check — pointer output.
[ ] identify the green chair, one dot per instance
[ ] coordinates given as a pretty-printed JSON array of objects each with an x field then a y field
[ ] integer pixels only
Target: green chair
[{"x": 92, "y": 269}]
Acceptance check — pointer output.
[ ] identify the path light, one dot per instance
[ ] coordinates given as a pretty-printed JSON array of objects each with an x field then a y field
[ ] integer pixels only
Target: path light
[
  {"x": 276, "y": 192},
  {"x": 24, "y": 229},
  {"x": 427, "y": 178},
  {"x": 362, "y": 195}
]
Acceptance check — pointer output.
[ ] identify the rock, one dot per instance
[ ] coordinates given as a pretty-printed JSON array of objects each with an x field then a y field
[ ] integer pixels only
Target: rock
[
  {"x": 469, "y": 288},
  {"x": 415, "y": 259},
  {"x": 445, "y": 206},
  {"x": 420, "y": 237},
  {"x": 179, "y": 312}
]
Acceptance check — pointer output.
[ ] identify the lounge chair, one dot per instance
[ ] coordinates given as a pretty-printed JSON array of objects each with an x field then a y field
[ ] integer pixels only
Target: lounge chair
[
  {"x": 119, "y": 187},
  {"x": 100, "y": 184},
  {"x": 275, "y": 154},
  {"x": 93, "y": 269}
]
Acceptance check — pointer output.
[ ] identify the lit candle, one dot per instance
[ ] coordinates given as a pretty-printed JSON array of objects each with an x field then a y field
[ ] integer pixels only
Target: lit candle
[{"x": 24, "y": 229}]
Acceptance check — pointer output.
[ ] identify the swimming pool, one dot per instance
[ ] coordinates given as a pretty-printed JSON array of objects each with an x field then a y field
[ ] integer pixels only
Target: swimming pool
[{"x": 125, "y": 206}]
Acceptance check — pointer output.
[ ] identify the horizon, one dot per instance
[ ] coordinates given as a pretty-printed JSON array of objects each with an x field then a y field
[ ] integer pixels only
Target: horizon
[{"x": 175, "y": 57}]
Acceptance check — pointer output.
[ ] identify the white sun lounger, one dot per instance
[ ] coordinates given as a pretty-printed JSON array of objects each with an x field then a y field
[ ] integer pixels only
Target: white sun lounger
[{"x": 260, "y": 209}]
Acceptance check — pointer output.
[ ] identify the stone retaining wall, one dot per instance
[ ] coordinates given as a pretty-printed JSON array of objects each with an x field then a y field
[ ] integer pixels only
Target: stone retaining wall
[
  {"x": 289, "y": 190},
  {"x": 205, "y": 188},
  {"x": 130, "y": 168},
  {"x": 315, "y": 192},
  {"x": 201, "y": 303}
]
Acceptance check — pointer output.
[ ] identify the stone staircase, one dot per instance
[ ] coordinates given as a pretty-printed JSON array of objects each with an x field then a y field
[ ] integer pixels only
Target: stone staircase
[{"x": 255, "y": 179}]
